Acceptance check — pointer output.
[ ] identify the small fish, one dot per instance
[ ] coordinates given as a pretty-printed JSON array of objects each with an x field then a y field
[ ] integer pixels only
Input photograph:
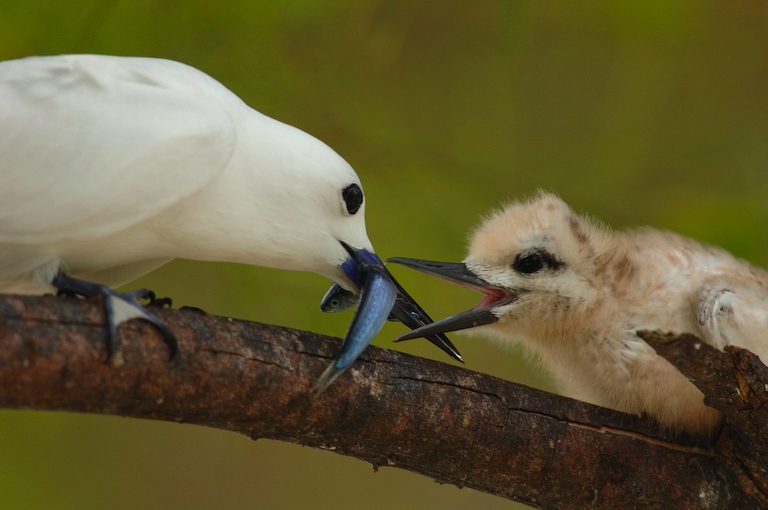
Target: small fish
[
  {"x": 377, "y": 297},
  {"x": 338, "y": 299}
]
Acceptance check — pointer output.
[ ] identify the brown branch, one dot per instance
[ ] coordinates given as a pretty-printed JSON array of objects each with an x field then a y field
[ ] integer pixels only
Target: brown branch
[
  {"x": 735, "y": 383},
  {"x": 390, "y": 409}
]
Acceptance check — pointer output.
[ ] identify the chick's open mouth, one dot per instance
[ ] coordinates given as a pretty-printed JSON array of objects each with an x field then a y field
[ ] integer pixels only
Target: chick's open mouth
[{"x": 492, "y": 298}]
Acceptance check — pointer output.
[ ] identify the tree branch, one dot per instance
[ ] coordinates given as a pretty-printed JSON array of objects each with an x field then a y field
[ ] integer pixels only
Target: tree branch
[
  {"x": 734, "y": 382},
  {"x": 390, "y": 409}
]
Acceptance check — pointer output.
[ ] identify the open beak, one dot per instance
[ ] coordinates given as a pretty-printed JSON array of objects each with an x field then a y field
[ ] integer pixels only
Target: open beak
[
  {"x": 458, "y": 273},
  {"x": 405, "y": 309},
  {"x": 408, "y": 311}
]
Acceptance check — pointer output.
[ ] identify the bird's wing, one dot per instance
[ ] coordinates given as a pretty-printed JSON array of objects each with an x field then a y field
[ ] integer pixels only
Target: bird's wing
[
  {"x": 92, "y": 144},
  {"x": 734, "y": 311}
]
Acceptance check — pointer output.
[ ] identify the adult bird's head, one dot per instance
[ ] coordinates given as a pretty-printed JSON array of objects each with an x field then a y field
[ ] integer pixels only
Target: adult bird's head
[
  {"x": 533, "y": 262},
  {"x": 314, "y": 200},
  {"x": 312, "y": 218}
]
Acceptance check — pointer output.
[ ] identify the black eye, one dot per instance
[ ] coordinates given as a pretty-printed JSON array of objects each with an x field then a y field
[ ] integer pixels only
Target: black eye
[
  {"x": 353, "y": 198},
  {"x": 534, "y": 261},
  {"x": 528, "y": 263}
]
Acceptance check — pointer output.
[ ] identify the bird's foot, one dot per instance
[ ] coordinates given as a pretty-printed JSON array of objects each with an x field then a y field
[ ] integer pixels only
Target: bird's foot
[
  {"x": 119, "y": 308},
  {"x": 155, "y": 301}
]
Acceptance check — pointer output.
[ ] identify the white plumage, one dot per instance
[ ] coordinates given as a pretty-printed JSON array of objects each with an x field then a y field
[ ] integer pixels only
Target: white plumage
[{"x": 113, "y": 166}]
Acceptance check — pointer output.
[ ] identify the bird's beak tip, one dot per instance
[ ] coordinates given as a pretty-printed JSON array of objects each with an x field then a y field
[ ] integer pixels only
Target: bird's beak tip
[{"x": 460, "y": 274}]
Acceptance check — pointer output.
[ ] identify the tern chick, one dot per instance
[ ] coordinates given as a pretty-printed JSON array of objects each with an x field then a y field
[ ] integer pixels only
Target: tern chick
[{"x": 575, "y": 293}]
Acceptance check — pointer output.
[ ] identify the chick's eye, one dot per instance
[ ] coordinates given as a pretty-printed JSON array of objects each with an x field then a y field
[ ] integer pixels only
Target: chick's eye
[
  {"x": 353, "y": 198},
  {"x": 529, "y": 263}
]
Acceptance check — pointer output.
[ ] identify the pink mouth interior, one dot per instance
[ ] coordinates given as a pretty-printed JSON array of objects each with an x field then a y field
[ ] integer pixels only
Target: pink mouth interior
[{"x": 490, "y": 296}]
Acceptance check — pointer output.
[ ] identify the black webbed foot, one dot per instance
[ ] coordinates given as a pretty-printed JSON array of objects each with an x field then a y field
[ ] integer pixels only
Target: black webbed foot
[{"x": 119, "y": 308}]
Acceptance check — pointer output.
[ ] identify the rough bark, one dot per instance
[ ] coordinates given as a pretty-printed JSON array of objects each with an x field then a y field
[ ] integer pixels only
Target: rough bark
[
  {"x": 392, "y": 409},
  {"x": 734, "y": 382}
]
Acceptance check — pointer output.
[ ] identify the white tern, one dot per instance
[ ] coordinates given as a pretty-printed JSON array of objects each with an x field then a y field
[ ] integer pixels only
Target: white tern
[{"x": 112, "y": 166}]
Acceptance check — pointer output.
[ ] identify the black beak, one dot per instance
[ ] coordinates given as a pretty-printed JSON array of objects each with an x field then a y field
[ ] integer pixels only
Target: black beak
[
  {"x": 458, "y": 273},
  {"x": 408, "y": 311},
  {"x": 380, "y": 295},
  {"x": 405, "y": 310}
]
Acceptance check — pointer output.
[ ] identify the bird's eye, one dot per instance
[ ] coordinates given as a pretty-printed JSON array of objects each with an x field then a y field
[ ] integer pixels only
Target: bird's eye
[
  {"x": 529, "y": 263},
  {"x": 353, "y": 198}
]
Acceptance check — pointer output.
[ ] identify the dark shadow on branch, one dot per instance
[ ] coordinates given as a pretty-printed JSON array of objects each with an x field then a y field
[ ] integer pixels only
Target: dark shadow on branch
[{"x": 391, "y": 409}]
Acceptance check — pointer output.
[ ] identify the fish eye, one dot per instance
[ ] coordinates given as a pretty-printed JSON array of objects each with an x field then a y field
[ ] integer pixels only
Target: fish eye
[
  {"x": 353, "y": 198},
  {"x": 529, "y": 263}
]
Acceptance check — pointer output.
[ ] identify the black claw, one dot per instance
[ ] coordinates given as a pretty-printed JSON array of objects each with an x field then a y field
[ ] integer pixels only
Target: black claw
[
  {"x": 128, "y": 303},
  {"x": 161, "y": 302},
  {"x": 150, "y": 296},
  {"x": 142, "y": 294}
]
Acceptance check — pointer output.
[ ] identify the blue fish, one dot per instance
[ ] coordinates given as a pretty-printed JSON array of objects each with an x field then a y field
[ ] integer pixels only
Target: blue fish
[
  {"x": 338, "y": 299},
  {"x": 378, "y": 293}
]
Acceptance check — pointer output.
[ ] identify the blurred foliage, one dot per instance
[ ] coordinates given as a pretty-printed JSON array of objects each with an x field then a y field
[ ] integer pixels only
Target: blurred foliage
[{"x": 649, "y": 112}]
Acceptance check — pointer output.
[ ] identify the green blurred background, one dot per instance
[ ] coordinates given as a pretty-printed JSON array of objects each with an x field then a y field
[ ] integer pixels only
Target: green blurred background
[{"x": 650, "y": 112}]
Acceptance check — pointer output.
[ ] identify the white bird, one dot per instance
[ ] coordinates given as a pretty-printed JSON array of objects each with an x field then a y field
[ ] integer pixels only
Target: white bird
[
  {"x": 574, "y": 294},
  {"x": 112, "y": 166}
]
